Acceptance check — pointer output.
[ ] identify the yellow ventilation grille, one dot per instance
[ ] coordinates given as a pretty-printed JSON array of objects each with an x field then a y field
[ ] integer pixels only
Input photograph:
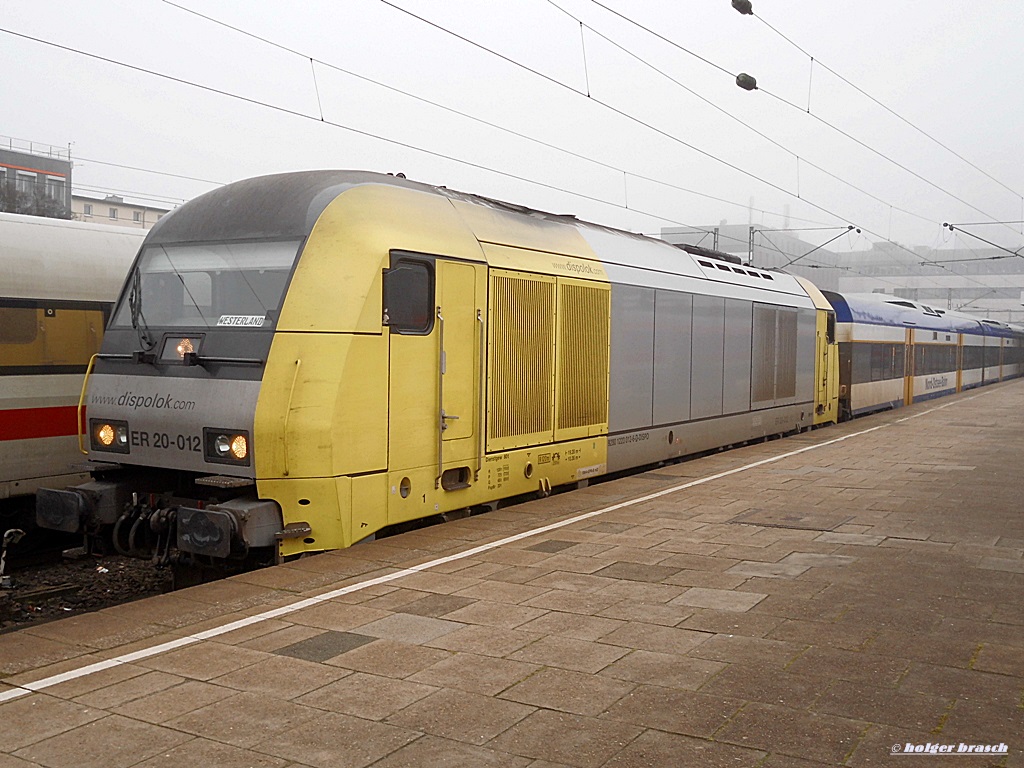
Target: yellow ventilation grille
[
  {"x": 522, "y": 360},
  {"x": 582, "y": 359}
]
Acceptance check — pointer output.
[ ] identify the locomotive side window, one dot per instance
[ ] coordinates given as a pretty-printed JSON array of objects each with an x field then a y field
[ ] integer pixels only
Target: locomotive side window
[{"x": 409, "y": 297}]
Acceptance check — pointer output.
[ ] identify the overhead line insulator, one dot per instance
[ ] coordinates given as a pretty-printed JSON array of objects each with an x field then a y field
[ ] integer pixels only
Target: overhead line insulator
[{"x": 745, "y": 81}]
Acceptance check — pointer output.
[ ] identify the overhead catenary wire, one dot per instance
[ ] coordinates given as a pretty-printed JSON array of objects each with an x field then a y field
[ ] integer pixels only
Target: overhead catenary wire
[
  {"x": 144, "y": 170},
  {"x": 888, "y": 109},
  {"x": 742, "y": 122},
  {"x": 644, "y": 123},
  {"x": 612, "y": 108},
  {"x": 663, "y": 218},
  {"x": 405, "y": 144},
  {"x": 133, "y": 193},
  {"x": 820, "y": 119},
  {"x": 637, "y": 120},
  {"x": 333, "y": 124},
  {"x": 468, "y": 116}
]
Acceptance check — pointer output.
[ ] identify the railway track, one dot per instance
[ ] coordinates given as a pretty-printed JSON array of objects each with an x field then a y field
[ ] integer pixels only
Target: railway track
[{"x": 44, "y": 583}]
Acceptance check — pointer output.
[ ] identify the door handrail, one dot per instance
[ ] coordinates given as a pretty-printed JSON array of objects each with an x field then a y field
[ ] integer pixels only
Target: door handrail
[
  {"x": 288, "y": 413},
  {"x": 440, "y": 398},
  {"x": 483, "y": 393},
  {"x": 81, "y": 403}
]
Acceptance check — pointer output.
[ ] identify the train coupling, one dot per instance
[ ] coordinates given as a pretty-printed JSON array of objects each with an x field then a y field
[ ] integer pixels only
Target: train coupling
[
  {"x": 173, "y": 530},
  {"x": 83, "y": 507},
  {"x": 230, "y": 528}
]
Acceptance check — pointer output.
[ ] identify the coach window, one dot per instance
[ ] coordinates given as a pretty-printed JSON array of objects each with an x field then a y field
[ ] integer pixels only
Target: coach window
[
  {"x": 18, "y": 325},
  {"x": 830, "y": 328},
  {"x": 881, "y": 362},
  {"x": 48, "y": 339},
  {"x": 409, "y": 296},
  {"x": 113, "y": 213}
]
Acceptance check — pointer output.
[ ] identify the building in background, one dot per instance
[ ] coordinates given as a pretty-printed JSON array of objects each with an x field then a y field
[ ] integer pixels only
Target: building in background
[
  {"x": 113, "y": 209},
  {"x": 35, "y": 179},
  {"x": 986, "y": 281}
]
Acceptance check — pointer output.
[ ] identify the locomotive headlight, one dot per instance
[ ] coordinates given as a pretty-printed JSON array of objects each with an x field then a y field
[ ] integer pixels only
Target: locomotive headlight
[
  {"x": 226, "y": 446},
  {"x": 239, "y": 447},
  {"x": 109, "y": 435},
  {"x": 180, "y": 349},
  {"x": 105, "y": 435},
  {"x": 184, "y": 347}
]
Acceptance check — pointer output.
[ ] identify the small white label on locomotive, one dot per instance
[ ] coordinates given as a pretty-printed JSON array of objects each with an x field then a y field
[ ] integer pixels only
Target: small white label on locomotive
[
  {"x": 247, "y": 321},
  {"x": 582, "y": 472}
]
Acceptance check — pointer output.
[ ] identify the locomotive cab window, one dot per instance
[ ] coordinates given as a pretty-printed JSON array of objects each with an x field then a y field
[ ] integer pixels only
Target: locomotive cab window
[
  {"x": 409, "y": 296},
  {"x": 231, "y": 284}
]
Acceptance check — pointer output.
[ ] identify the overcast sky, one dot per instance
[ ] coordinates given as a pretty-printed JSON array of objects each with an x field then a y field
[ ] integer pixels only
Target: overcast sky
[{"x": 950, "y": 67}]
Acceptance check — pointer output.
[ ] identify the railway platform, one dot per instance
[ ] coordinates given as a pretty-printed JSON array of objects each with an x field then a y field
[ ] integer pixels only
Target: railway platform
[{"x": 851, "y": 596}]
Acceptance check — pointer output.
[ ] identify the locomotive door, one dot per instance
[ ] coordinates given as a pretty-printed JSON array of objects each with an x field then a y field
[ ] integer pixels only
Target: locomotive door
[
  {"x": 435, "y": 380},
  {"x": 460, "y": 336}
]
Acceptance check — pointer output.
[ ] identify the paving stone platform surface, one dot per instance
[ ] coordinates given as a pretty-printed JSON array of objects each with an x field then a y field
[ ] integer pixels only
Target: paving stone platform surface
[{"x": 830, "y": 608}]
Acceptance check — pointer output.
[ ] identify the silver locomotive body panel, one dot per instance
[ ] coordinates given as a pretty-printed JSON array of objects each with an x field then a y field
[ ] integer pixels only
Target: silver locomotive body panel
[
  {"x": 166, "y": 417},
  {"x": 649, "y": 446},
  {"x": 702, "y": 354}
]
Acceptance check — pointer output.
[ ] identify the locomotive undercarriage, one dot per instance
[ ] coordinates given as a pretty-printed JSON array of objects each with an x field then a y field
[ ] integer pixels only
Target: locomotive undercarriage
[{"x": 192, "y": 524}]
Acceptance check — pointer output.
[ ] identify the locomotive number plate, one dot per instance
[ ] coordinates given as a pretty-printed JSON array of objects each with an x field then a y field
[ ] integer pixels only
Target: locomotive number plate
[{"x": 166, "y": 441}]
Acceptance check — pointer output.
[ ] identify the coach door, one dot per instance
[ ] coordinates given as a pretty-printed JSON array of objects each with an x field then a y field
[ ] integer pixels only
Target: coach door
[{"x": 436, "y": 372}]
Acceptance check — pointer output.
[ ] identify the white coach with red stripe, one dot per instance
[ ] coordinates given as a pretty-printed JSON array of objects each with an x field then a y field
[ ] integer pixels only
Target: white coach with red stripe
[{"x": 58, "y": 281}]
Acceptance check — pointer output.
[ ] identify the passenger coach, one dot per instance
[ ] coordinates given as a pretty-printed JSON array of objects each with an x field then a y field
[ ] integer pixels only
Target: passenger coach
[
  {"x": 894, "y": 351},
  {"x": 58, "y": 283},
  {"x": 299, "y": 361}
]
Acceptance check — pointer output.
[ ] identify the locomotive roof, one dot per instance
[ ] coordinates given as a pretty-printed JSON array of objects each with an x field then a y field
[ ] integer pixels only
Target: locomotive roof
[
  {"x": 287, "y": 205},
  {"x": 279, "y": 206}
]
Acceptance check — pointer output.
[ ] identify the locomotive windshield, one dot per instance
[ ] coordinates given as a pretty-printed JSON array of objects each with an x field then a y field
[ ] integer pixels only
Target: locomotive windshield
[{"x": 210, "y": 285}]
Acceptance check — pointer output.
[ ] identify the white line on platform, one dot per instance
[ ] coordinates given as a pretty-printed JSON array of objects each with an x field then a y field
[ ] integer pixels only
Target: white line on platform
[{"x": 48, "y": 682}]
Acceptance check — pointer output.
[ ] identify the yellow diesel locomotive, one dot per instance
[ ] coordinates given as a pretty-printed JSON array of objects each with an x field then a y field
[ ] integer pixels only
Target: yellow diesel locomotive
[{"x": 298, "y": 362}]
